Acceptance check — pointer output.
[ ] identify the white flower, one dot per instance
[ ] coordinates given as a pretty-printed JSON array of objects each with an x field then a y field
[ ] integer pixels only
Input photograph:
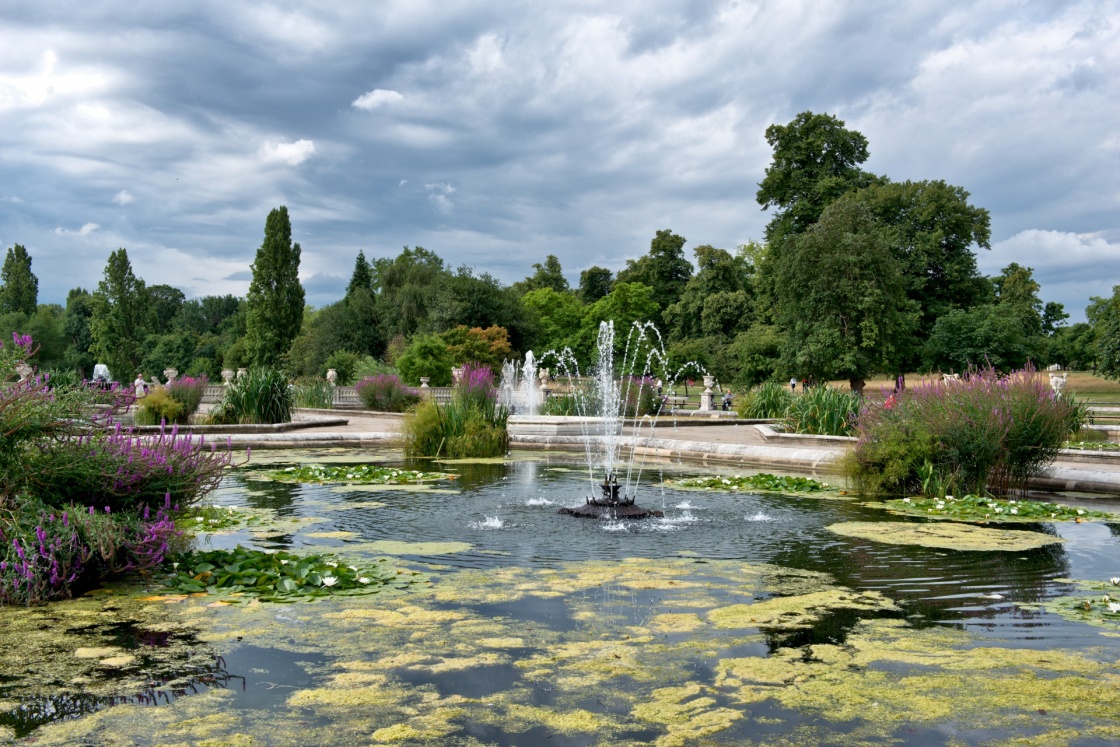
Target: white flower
[
  {"x": 332, "y": 564},
  {"x": 353, "y": 568},
  {"x": 1115, "y": 580},
  {"x": 999, "y": 510},
  {"x": 940, "y": 506},
  {"x": 363, "y": 580},
  {"x": 175, "y": 566},
  {"x": 1052, "y": 515},
  {"x": 201, "y": 518},
  {"x": 948, "y": 497},
  {"x": 329, "y": 580},
  {"x": 1080, "y": 512},
  {"x": 905, "y": 500},
  {"x": 284, "y": 562},
  {"x": 1114, "y": 607},
  {"x": 1014, "y": 510}
]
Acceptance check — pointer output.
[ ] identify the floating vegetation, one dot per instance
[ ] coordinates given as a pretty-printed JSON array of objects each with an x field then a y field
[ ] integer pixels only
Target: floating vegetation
[
  {"x": 215, "y": 518},
  {"x": 394, "y": 547},
  {"x": 944, "y": 535},
  {"x": 762, "y": 481},
  {"x": 365, "y": 474},
  {"x": 976, "y": 508},
  {"x": 282, "y": 576},
  {"x": 1100, "y": 606}
]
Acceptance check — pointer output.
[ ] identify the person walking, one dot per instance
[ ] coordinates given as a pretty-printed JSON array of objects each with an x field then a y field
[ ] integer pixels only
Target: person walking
[{"x": 793, "y": 383}]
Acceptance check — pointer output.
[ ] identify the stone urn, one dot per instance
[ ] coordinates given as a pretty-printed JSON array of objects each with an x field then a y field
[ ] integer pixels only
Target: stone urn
[
  {"x": 424, "y": 382},
  {"x": 457, "y": 375},
  {"x": 332, "y": 377},
  {"x": 1058, "y": 383},
  {"x": 709, "y": 382},
  {"x": 227, "y": 375},
  {"x": 542, "y": 374},
  {"x": 24, "y": 371},
  {"x": 170, "y": 374}
]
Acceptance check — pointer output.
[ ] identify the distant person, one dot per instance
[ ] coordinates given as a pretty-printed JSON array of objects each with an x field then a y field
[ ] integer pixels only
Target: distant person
[
  {"x": 726, "y": 401},
  {"x": 793, "y": 384},
  {"x": 141, "y": 387}
]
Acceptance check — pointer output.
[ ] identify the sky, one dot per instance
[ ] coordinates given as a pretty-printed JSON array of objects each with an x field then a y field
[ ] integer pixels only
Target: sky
[{"x": 495, "y": 133}]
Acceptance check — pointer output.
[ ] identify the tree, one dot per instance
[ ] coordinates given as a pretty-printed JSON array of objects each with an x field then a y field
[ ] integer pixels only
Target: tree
[
  {"x": 426, "y": 355},
  {"x": 1104, "y": 315},
  {"x": 166, "y": 303},
  {"x": 664, "y": 269},
  {"x": 1074, "y": 347},
  {"x": 487, "y": 347},
  {"x": 840, "y": 298},
  {"x": 547, "y": 275},
  {"x": 990, "y": 334},
  {"x": 553, "y": 318},
  {"x": 816, "y": 160},
  {"x": 274, "y": 309},
  {"x": 362, "y": 277},
  {"x": 20, "y": 290},
  {"x": 594, "y": 283},
  {"x": 625, "y": 304},
  {"x": 932, "y": 229},
  {"x": 121, "y": 318},
  {"x": 76, "y": 327},
  {"x": 716, "y": 300},
  {"x": 1016, "y": 288},
  {"x": 1053, "y": 317},
  {"x": 408, "y": 286}
]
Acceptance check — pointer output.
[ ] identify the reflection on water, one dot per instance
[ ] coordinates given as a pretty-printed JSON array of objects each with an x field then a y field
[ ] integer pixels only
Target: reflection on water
[{"x": 508, "y": 623}]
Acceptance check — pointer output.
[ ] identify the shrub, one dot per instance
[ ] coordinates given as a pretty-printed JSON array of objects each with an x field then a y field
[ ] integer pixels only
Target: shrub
[
  {"x": 986, "y": 432},
  {"x": 188, "y": 392},
  {"x": 344, "y": 364},
  {"x": 427, "y": 356},
  {"x": 471, "y": 425},
  {"x": 259, "y": 396},
  {"x": 767, "y": 400},
  {"x": 823, "y": 411},
  {"x": 369, "y": 366},
  {"x": 45, "y": 552},
  {"x": 386, "y": 393},
  {"x": 640, "y": 394},
  {"x": 157, "y": 407},
  {"x": 312, "y": 392}
]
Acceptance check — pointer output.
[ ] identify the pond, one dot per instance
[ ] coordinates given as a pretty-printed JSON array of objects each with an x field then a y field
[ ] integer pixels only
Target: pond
[{"x": 738, "y": 618}]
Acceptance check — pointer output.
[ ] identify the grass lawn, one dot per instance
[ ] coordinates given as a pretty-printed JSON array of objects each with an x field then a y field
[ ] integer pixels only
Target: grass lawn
[{"x": 1084, "y": 384}]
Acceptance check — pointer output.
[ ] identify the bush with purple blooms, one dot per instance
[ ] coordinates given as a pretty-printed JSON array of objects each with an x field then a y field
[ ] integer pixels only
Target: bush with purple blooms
[
  {"x": 79, "y": 502},
  {"x": 472, "y": 424},
  {"x": 386, "y": 393},
  {"x": 987, "y": 432}
]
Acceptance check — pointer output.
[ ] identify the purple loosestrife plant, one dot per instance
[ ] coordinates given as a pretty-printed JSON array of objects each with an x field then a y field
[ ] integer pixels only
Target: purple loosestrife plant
[
  {"x": 386, "y": 393},
  {"x": 985, "y": 432}
]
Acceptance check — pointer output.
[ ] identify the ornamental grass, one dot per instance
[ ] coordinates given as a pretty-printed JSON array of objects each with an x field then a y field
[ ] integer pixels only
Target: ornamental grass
[{"x": 472, "y": 424}]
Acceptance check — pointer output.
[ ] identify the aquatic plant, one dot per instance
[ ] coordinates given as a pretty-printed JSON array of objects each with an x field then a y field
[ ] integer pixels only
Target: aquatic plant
[
  {"x": 1098, "y": 604},
  {"x": 386, "y": 393},
  {"x": 472, "y": 424},
  {"x": 989, "y": 432},
  {"x": 992, "y": 510},
  {"x": 767, "y": 400},
  {"x": 312, "y": 392},
  {"x": 281, "y": 576},
  {"x": 260, "y": 395},
  {"x": 762, "y": 481},
  {"x": 823, "y": 411},
  {"x": 188, "y": 392},
  {"x": 945, "y": 535},
  {"x": 366, "y": 474}
]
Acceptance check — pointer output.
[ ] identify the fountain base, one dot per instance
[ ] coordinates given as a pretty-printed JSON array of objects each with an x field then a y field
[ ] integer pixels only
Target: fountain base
[{"x": 610, "y": 505}]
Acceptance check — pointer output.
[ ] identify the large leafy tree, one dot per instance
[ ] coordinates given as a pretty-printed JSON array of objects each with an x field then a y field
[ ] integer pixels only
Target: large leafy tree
[
  {"x": 625, "y": 304},
  {"x": 1104, "y": 315},
  {"x": 408, "y": 286},
  {"x": 76, "y": 327},
  {"x": 20, "y": 290},
  {"x": 554, "y": 319},
  {"x": 816, "y": 160},
  {"x": 716, "y": 301},
  {"x": 121, "y": 318},
  {"x": 274, "y": 308},
  {"x": 549, "y": 274},
  {"x": 594, "y": 283},
  {"x": 992, "y": 334},
  {"x": 933, "y": 229},
  {"x": 664, "y": 269},
  {"x": 841, "y": 299},
  {"x": 166, "y": 303},
  {"x": 1016, "y": 288}
]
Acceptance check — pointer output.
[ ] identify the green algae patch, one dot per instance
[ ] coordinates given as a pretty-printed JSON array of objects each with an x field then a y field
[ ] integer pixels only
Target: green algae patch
[
  {"x": 687, "y": 713},
  {"x": 762, "y": 482},
  {"x": 798, "y": 612},
  {"x": 338, "y": 534},
  {"x": 944, "y": 535},
  {"x": 989, "y": 510}
]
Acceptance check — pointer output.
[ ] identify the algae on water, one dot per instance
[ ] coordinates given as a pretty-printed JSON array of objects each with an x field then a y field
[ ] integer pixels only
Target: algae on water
[{"x": 948, "y": 536}]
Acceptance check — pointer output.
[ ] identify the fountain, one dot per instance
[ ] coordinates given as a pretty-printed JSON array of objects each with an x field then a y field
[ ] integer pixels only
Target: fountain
[{"x": 517, "y": 390}]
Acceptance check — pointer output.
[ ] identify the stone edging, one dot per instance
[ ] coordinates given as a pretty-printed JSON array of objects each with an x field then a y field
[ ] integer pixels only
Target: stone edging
[
  {"x": 234, "y": 430},
  {"x": 829, "y": 442}
]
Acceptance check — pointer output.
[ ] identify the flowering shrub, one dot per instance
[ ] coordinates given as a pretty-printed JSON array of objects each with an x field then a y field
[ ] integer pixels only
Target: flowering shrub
[
  {"x": 386, "y": 393},
  {"x": 471, "y": 425},
  {"x": 45, "y": 552},
  {"x": 640, "y": 393},
  {"x": 988, "y": 432},
  {"x": 122, "y": 472},
  {"x": 188, "y": 392},
  {"x": 158, "y": 407}
]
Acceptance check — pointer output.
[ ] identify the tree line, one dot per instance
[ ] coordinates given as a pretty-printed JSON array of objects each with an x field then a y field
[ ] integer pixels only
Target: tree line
[{"x": 857, "y": 275}]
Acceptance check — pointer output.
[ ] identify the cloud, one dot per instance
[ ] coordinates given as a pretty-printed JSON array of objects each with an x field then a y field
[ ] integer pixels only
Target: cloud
[
  {"x": 124, "y": 197},
  {"x": 240, "y": 275},
  {"x": 292, "y": 154},
  {"x": 14, "y": 199},
  {"x": 376, "y": 99},
  {"x": 440, "y": 195},
  {"x": 85, "y": 230}
]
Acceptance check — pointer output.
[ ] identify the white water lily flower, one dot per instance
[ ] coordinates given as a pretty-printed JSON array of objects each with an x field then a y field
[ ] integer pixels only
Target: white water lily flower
[
  {"x": 905, "y": 500},
  {"x": 1014, "y": 510},
  {"x": 1114, "y": 607},
  {"x": 1115, "y": 580},
  {"x": 363, "y": 580},
  {"x": 329, "y": 580},
  {"x": 1052, "y": 515},
  {"x": 332, "y": 564},
  {"x": 201, "y": 518},
  {"x": 999, "y": 510},
  {"x": 353, "y": 567},
  {"x": 284, "y": 562},
  {"x": 940, "y": 506},
  {"x": 1080, "y": 512}
]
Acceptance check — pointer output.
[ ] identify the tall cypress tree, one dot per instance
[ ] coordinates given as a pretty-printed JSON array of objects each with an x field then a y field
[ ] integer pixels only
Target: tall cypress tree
[
  {"x": 20, "y": 291},
  {"x": 121, "y": 318},
  {"x": 362, "y": 276},
  {"x": 274, "y": 306}
]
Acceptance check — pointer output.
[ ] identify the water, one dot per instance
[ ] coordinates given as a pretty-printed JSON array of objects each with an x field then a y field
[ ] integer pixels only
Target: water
[{"x": 533, "y": 594}]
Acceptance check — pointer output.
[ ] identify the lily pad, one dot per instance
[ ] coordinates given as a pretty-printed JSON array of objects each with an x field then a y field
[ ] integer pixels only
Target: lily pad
[
  {"x": 1099, "y": 605},
  {"x": 944, "y": 535},
  {"x": 763, "y": 481},
  {"x": 364, "y": 474},
  {"x": 990, "y": 510}
]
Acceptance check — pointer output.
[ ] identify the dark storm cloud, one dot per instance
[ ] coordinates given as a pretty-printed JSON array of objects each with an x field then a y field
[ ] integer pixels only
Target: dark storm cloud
[{"x": 496, "y": 133}]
